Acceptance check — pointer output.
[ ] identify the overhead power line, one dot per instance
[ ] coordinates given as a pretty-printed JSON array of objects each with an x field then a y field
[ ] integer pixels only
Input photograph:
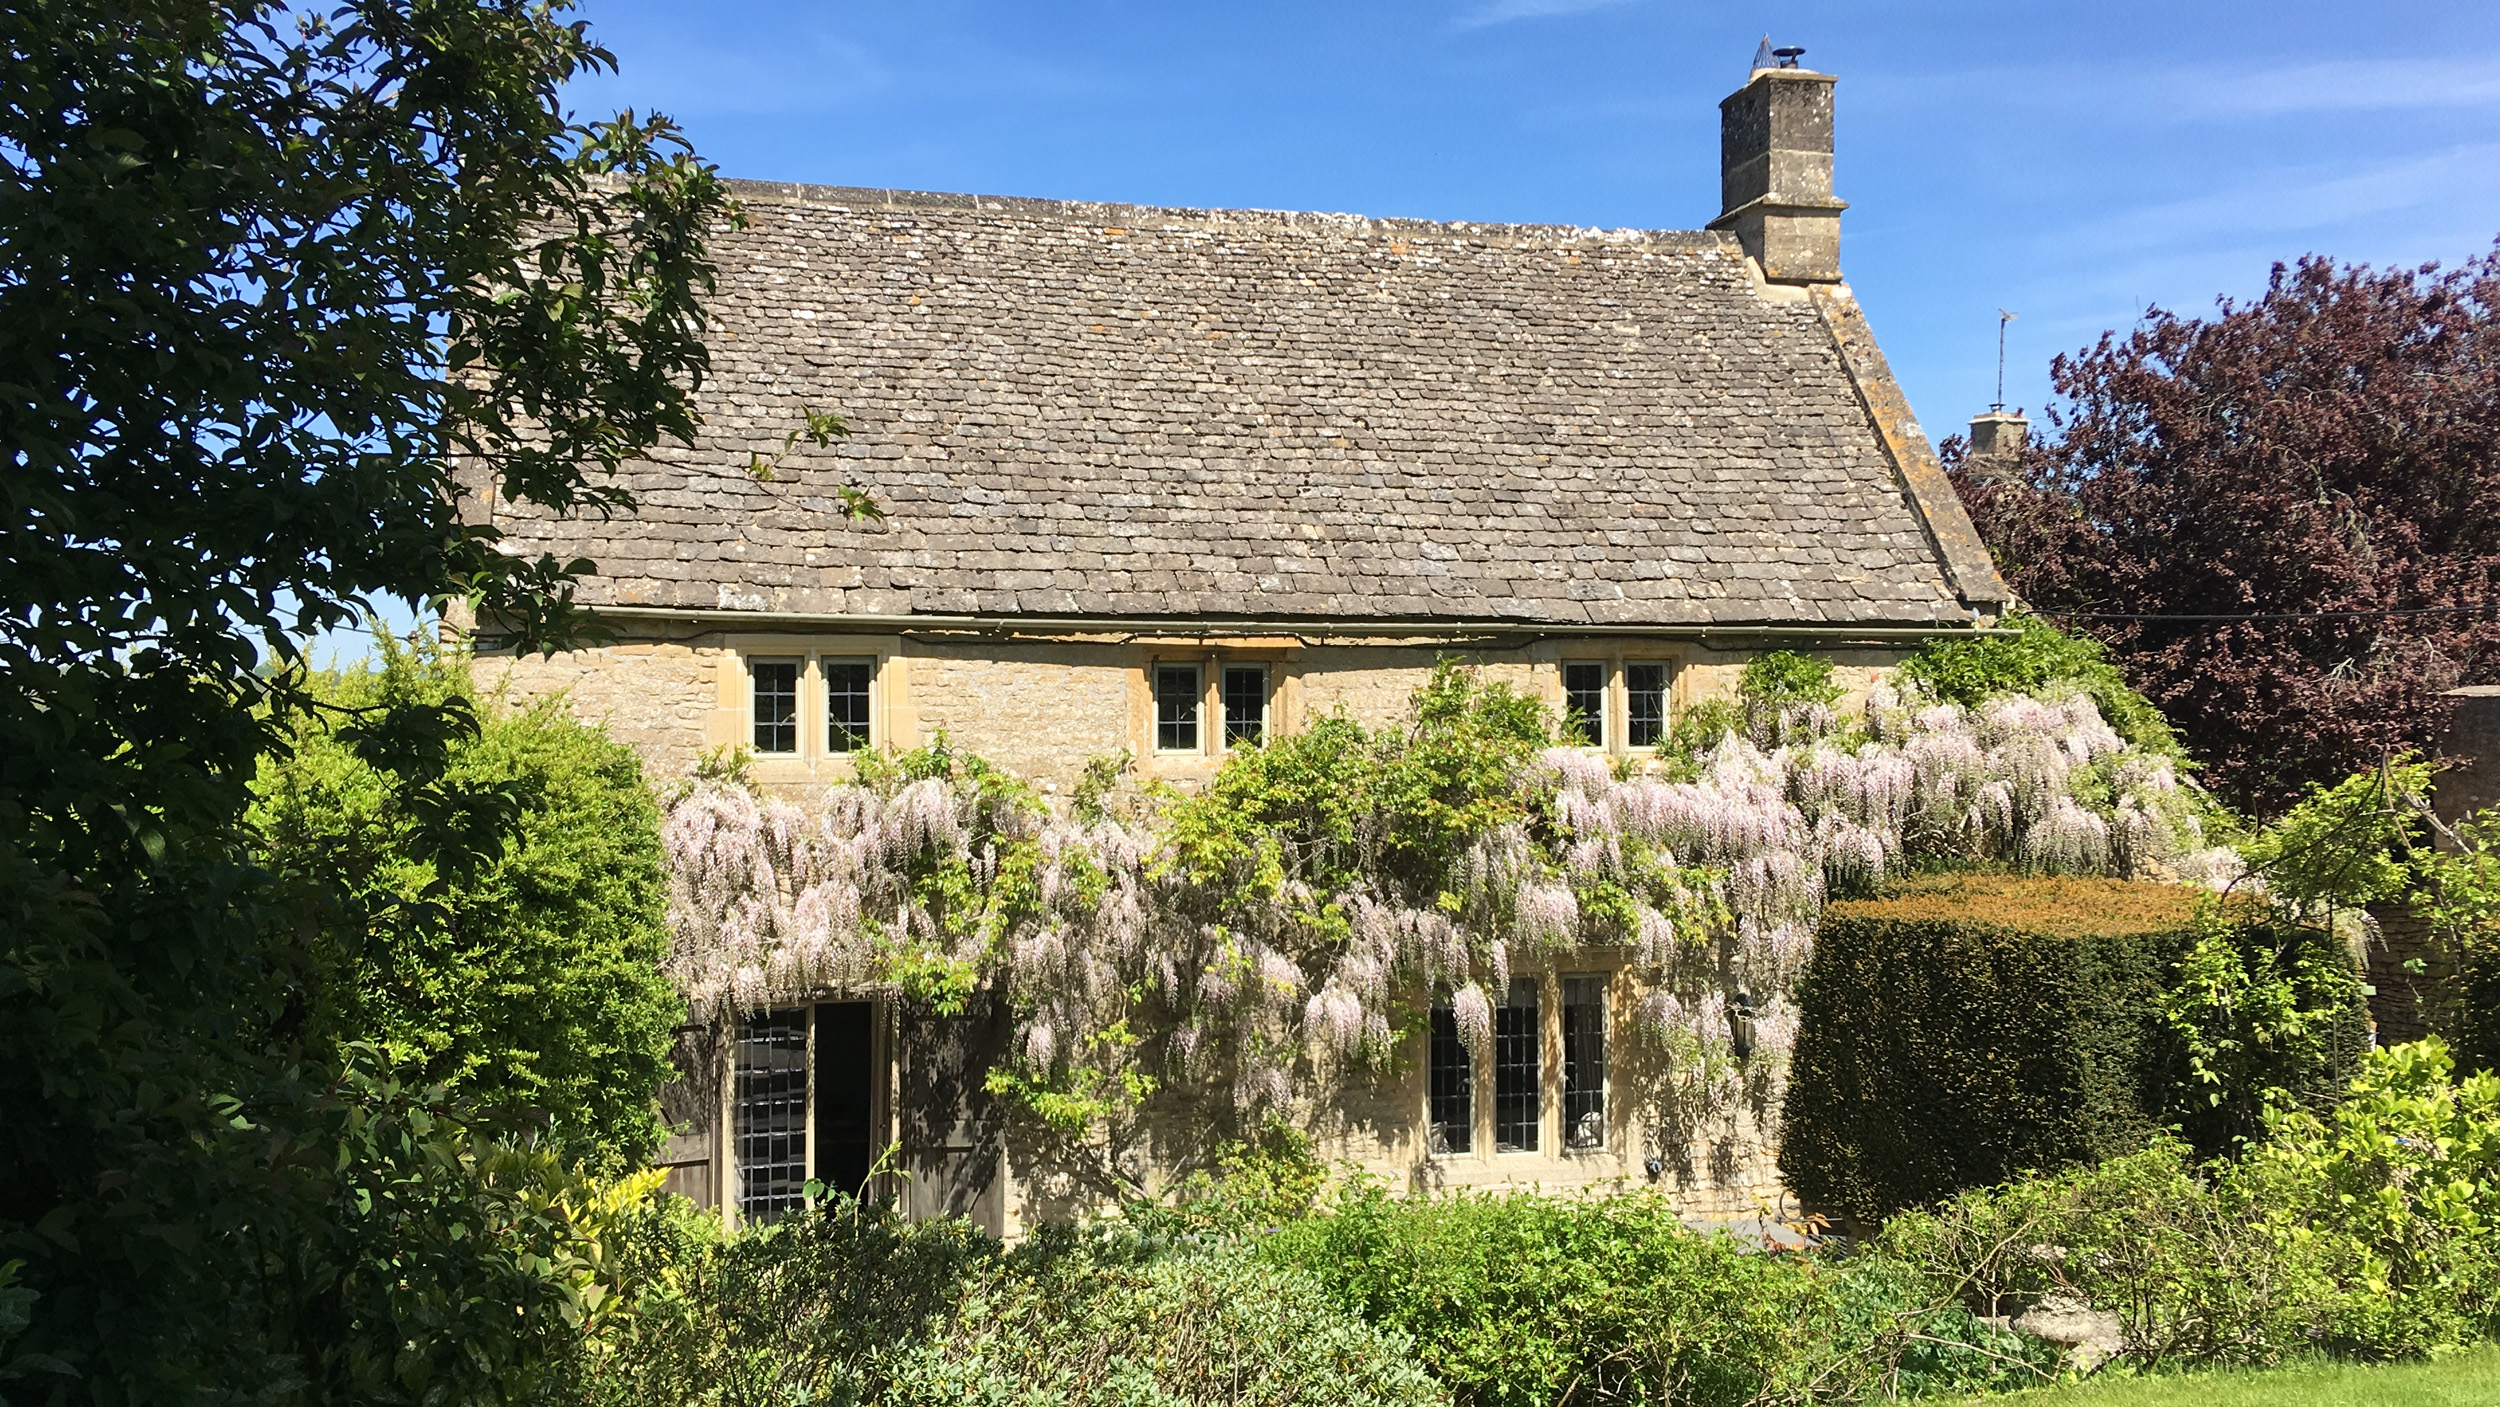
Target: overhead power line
[{"x": 2270, "y": 615}]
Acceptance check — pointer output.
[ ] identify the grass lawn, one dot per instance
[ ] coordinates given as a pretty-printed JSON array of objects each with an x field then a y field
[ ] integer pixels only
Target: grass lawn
[{"x": 2464, "y": 1380}]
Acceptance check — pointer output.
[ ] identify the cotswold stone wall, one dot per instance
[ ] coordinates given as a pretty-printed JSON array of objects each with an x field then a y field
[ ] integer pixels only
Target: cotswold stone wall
[{"x": 1045, "y": 708}]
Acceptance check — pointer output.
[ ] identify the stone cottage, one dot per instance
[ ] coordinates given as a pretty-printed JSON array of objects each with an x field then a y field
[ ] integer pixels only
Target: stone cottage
[{"x": 1158, "y": 481}]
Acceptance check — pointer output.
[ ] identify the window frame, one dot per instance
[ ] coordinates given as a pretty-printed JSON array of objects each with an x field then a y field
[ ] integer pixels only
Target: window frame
[
  {"x": 867, "y": 742},
  {"x": 1197, "y": 696},
  {"x": 888, "y": 721},
  {"x": 1569, "y": 985},
  {"x": 796, "y": 723},
  {"x": 1598, "y": 738},
  {"x": 1224, "y": 671},
  {"x": 1213, "y": 659},
  {"x": 730, "y": 1174},
  {"x": 1615, "y": 695},
  {"x": 1517, "y": 1022}
]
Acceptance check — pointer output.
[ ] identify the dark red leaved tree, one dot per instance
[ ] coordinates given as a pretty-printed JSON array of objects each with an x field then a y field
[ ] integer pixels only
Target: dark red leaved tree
[{"x": 2331, "y": 447}]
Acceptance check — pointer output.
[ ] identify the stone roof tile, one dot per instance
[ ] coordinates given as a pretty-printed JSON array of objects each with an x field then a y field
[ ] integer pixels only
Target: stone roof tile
[{"x": 1093, "y": 409}]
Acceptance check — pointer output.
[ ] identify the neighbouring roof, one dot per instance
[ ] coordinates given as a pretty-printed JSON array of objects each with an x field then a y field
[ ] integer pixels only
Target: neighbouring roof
[{"x": 1098, "y": 410}]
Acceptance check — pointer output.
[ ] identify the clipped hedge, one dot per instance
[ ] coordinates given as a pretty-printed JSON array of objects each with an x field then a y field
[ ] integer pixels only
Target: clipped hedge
[{"x": 1961, "y": 1030}]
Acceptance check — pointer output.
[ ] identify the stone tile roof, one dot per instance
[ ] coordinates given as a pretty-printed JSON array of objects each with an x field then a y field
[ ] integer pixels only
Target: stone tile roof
[{"x": 1096, "y": 410}]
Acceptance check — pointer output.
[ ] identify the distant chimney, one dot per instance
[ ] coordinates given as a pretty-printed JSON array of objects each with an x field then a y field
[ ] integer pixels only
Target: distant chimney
[
  {"x": 1775, "y": 171},
  {"x": 1997, "y": 438},
  {"x": 1999, "y": 434}
]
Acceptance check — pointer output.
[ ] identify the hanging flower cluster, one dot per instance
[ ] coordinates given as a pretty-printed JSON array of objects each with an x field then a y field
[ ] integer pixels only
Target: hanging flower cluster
[{"x": 1282, "y": 924}]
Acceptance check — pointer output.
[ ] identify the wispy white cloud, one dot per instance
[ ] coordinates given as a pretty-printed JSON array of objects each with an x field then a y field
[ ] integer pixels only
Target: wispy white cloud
[
  {"x": 2289, "y": 200},
  {"x": 1504, "y": 11},
  {"x": 2342, "y": 85}
]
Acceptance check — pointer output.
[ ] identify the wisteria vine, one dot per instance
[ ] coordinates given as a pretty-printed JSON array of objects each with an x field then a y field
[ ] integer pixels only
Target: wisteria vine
[{"x": 1293, "y": 920}]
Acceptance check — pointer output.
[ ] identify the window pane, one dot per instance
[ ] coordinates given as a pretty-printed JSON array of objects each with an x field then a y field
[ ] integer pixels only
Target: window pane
[
  {"x": 1245, "y": 703},
  {"x": 1177, "y": 697},
  {"x": 1453, "y": 1111},
  {"x": 846, "y": 703},
  {"x": 771, "y": 1113},
  {"x": 776, "y": 705},
  {"x": 1518, "y": 1070},
  {"x": 1584, "y": 1062},
  {"x": 1584, "y": 701},
  {"x": 1644, "y": 704}
]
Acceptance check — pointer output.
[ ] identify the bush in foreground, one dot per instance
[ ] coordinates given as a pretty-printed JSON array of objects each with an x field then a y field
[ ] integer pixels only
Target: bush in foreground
[
  {"x": 1524, "y": 1299},
  {"x": 850, "y": 1304},
  {"x": 2371, "y": 1232}
]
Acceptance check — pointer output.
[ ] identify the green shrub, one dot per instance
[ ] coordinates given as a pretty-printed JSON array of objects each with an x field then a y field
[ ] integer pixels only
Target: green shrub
[
  {"x": 850, "y": 1304},
  {"x": 1522, "y": 1298},
  {"x": 528, "y": 984},
  {"x": 1208, "y": 1328},
  {"x": 1965, "y": 1029},
  {"x": 2373, "y": 1232},
  {"x": 1783, "y": 692},
  {"x": 2041, "y": 658}
]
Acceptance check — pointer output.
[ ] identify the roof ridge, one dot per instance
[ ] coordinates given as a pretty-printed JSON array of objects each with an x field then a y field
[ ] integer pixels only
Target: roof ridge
[{"x": 1123, "y": 212}]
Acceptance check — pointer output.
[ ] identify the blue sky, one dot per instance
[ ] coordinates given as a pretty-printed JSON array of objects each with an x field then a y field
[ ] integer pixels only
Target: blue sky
[{"x": 2070, "y": 162}]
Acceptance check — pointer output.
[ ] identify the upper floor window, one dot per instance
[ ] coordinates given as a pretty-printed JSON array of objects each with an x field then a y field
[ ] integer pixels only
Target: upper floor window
[
  {"x": 811, "y": 704},
  {"x": 847, "y": 691},
  {"x": 1178, "y": 698},
  {"x": 1245, "y": 703},
  {"x": 776, "y": 704},
  {"x": 1644, "y": 704},
  {"x": 1584, "y": 700}
]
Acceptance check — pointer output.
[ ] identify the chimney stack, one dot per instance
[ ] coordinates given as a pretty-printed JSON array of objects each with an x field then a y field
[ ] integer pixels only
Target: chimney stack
[
  {"x": 1775, "y": 170},
  {"x": 1997, "y": 438}
]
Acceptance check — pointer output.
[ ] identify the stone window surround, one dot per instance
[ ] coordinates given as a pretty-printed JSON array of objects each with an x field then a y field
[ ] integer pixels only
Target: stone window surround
[
  {"x": 814, "y": 761},
  {"x": 1552, "y": 1137},
  {"x": 1210, "y": 655},
  {"x": 1618, "y": 715}
]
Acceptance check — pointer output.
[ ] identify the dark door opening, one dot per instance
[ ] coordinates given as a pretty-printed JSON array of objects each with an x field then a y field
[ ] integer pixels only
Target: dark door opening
[{"x": 845, "y": 1095}]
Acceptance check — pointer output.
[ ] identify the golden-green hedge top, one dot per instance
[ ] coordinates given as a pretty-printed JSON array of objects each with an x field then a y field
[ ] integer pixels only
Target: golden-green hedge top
[{"x": 2060, "y": 906}]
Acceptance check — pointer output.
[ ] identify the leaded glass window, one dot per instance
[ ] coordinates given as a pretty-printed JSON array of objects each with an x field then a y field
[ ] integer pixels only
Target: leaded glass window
[
  {"x": 776, "y": 704},
  {"x": 1245, "y": 703},
  {"x": 1518, "y": 1073},
  {"x": 1584, "y": 700},
  {"x": 1584, "y": 1062},
  {"x": 1453, "y": 1086},
  {"x": 847, "y": 685},
  {"x": 769, "y": 1113}
]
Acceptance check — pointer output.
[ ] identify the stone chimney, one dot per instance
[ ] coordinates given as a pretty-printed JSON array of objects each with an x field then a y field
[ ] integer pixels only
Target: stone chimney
[
  {"x": 1999, "y": 434},
  {"x": 1997, "y": 437},
  {"x": 1775, "y": 170}
]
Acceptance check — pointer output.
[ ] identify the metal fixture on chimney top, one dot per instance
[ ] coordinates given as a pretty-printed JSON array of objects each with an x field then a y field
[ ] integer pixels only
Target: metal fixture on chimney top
[
  {"x": 1788, "y": 55},
  {"x": 1762, "y": 58},
  {"x": 2003, "y": 317}
]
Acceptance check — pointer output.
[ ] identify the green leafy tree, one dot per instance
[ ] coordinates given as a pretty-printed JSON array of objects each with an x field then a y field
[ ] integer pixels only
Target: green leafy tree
[
  {"x": 532, "y": 984},
  {"x": 283, "y": 288}
]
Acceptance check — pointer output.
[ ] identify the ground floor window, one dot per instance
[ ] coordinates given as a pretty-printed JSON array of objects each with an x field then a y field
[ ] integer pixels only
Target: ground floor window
[
  {"x": 1453, "y": 1078},
  {"x": 1584, "y": 1062},
  {"x": 1518, "y": 1070},
  {"x": 1522, "y": 1061},
  {"x": 770, "y": 1103},
  {"x": 803, "y": 1084}
]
